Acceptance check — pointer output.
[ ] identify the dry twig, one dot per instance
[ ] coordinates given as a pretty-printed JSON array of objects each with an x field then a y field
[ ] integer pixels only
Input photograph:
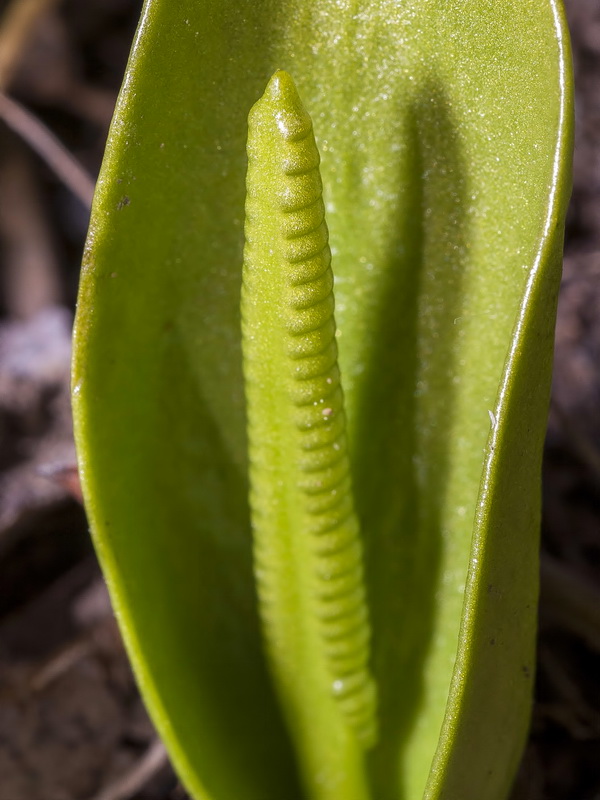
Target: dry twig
[
  {"x": 32, "y": 279},
  {"x": 48, "y": 147},
  {"x": 153, "y": 760},
  {"x": 17, "y": 25},
  {"x": 573, "y": 602}
]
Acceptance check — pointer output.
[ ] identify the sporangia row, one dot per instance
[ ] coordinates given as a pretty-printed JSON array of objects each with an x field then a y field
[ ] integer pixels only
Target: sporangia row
[{"x": 307, "y": 543}]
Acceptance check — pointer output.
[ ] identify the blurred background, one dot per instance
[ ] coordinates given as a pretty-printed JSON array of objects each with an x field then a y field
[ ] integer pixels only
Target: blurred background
[{"x": 72, "y": 726}]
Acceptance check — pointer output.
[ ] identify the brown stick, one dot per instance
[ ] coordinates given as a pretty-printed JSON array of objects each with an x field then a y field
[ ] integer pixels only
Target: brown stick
[
  {"x": 48, "y": 147},
  {"x": 154, "y": 759},
  {"x": 17, "y": 25}
]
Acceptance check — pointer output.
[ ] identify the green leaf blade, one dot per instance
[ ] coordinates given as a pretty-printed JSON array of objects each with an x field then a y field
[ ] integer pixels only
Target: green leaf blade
[
  {"x": 496, "y": 655},
  {"x": 438, "y": 125}
]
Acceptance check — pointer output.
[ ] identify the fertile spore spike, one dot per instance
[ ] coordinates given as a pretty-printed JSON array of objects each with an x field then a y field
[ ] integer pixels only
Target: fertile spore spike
[{"x": 308, "y": 552}]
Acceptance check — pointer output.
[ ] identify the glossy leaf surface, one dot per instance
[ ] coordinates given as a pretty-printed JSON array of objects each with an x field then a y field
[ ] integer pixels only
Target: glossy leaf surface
[{"x": 444, "y": 131}]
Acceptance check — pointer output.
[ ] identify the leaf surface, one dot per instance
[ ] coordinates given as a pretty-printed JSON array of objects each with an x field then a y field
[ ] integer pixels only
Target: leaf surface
[{"x": 445, "y": 132}]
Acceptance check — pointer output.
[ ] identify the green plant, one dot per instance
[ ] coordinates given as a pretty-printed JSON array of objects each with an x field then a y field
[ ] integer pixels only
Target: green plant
[{"x": 445, "y": 134}]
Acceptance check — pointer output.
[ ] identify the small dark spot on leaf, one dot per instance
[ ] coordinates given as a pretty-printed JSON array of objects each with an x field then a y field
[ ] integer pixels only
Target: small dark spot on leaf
[
  {"x": 492, "y": 641},
  {"x": 124, "y": 201},
  {"x": 525, "y": 670}
]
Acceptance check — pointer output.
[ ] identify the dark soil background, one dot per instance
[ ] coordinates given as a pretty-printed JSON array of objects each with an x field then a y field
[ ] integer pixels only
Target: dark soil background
[{"x": 72, "y": 726}]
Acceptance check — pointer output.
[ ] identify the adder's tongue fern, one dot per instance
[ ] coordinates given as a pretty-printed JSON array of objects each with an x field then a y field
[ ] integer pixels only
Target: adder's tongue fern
[{"x": 308, "y": 553}]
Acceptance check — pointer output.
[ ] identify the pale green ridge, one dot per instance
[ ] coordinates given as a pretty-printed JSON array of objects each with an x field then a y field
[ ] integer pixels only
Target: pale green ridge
[{"x": 308, "y": 554}]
